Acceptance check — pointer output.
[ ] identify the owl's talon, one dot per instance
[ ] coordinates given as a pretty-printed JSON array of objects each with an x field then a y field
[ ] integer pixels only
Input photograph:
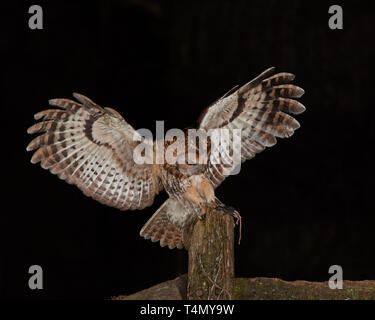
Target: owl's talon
[{"x": 235, "y": 214}]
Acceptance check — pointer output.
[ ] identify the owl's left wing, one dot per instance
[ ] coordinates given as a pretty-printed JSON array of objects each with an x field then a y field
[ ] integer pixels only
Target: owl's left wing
[
  {"x": 92, "y": 147},
  {"x": 259, "y": 110}
]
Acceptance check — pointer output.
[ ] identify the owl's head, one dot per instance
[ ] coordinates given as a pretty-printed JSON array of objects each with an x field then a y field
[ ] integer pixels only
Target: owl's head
[{"x": 188, "y": 151}]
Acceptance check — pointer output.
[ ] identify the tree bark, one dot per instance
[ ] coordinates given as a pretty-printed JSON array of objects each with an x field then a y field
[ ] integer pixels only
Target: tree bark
[{"x": 211, "y": 258}]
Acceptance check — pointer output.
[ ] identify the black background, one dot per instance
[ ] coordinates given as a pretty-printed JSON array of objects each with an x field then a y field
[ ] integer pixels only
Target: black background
[{"x": 307, "y": 203}]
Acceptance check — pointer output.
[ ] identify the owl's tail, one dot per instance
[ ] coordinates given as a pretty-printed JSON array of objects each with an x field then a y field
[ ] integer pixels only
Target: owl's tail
[{"x": 159, "y": 227}]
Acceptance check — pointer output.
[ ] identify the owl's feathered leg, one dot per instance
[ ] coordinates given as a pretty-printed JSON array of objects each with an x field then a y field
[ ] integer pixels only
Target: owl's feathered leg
[{"x": 234, "y": 213}]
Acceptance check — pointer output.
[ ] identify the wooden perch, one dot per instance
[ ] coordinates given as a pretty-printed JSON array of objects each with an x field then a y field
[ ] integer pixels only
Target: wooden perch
[{"x": 211, "y": 257}]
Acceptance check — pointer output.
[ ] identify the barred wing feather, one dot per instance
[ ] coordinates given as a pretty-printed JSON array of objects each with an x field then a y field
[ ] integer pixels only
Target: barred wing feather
[
  {"x": 92, "y": 147},
  {"x": 260, "y": 109}
]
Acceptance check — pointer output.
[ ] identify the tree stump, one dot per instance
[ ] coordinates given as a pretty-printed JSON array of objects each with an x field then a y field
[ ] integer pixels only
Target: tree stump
[{"x": 211, "y": 258}]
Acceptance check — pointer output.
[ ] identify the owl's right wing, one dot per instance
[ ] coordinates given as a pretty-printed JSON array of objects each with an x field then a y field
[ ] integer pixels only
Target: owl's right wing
[
  {"x": 259, "y": 110},
  {"x": 92, "y": 147}
]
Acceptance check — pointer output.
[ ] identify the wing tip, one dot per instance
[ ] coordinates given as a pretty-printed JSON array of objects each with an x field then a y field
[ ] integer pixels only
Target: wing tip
[
  {"x": 299, "y": 92},
  {"x": 84, "y": 100},
  {"x": 301, "y": 109},
  {"x": 29, "y": 147},
  {"x": 297, "y": 125},
  {"x": 53, "y": 102},
  {"x": 78, "y": 96},
  {"x": 267, "y": 72},
  {"x": 35, "y": 158},
  {"x": 39, "y": 115},
  {"x": 298, "y": 108},
  {"x": 291, "y": 76}
]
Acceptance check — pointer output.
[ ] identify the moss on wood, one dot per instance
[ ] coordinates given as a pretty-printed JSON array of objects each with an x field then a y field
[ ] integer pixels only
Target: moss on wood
[{"x": 276, "y": 289}]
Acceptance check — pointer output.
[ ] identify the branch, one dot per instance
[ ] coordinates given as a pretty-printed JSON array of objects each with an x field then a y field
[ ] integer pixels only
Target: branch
[{"x": 265, "y": 289}]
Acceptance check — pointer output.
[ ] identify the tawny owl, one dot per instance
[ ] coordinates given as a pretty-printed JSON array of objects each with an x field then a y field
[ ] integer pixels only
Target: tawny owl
[{"x": 92, "y": 147}]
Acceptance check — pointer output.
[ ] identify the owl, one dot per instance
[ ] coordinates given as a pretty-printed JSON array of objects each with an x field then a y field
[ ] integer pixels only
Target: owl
[{"x": 93, "y": 148}]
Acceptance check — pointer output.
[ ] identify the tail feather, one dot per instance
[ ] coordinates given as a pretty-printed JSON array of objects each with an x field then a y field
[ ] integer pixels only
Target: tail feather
[{"x": 159, "y": 227}]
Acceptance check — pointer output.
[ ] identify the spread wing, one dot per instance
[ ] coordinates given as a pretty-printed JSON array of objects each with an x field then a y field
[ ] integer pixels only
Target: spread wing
[
  {"x": 260, "y": 110},
  {"x": 92, "y": 147}
]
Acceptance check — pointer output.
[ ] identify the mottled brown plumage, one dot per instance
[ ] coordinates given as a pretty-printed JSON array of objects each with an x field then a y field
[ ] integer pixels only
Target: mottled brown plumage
[{"x": 92, "y": 147}]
